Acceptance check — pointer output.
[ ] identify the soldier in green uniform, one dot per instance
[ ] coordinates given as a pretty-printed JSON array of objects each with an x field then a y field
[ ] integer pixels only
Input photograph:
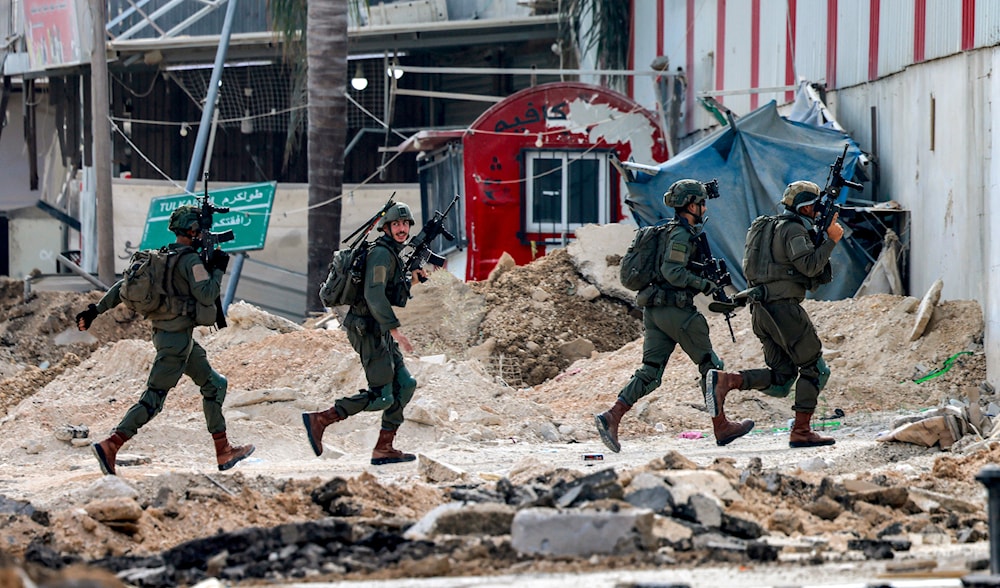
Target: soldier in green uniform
[
  {"x": 792, "y": 349},
  {"x": 671, "y": 318},
  {"x": 373, "y": 330},
  {"x": 177, "y": 353}
]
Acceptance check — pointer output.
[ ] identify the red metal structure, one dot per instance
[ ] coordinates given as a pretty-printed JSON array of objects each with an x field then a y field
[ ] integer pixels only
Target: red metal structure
[{"x": 538, "y": 165}]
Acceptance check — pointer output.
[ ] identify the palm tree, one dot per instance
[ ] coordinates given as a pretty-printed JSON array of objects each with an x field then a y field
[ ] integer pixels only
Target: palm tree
[
  {"x": 324, "y": 69},
  {"x": 601, "y": 26}
]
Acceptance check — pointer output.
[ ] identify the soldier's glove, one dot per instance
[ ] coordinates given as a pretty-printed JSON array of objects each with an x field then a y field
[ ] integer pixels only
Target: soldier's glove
[
  {"x": 707, "y": 287},
  {"x": 85, "y": 318},
  {"x": 219, "y": 260}
]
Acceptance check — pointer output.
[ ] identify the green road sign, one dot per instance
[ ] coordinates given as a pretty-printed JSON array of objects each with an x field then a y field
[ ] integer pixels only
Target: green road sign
[{"x": 248, "y": 216}]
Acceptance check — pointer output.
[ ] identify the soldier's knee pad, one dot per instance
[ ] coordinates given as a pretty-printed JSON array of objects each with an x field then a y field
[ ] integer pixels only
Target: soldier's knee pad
[
  {"x": 815, "y": 373},
  {"x": 379, "y": 398},
  {"x": 824, "y": 374},
  {"x": 780, "y": 387},
  {"x": 650, "y": 376},
  {"x": 407, "y": 384},
  {"x": 152, "y": 401},
  {"x": 215, "y": 388}
]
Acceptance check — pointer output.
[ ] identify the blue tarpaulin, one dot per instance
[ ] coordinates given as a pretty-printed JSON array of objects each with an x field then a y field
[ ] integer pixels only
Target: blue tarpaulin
[{"x": 754, "y": 162}]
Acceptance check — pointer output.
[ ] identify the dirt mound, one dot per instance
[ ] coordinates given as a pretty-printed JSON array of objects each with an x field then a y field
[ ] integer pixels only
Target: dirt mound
[
  {"x": 39, "y": 339},
  {"x": 540, "y": 320}
]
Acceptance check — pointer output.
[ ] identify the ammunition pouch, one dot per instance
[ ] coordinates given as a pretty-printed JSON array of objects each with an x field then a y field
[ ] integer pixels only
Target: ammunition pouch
[
  {"x": 203, "y": 314},
  {"x": 398, "y": 292},
  {"x": 656, "y": 295}
]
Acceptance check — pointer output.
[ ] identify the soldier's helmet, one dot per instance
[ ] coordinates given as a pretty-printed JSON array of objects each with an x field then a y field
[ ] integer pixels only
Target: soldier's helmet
[
  {"x": 799, "y": 194},
  {"x": 399, "y": 211},
  {"x": 684, "y": 192},
  {"x": 183, "y": 218}
]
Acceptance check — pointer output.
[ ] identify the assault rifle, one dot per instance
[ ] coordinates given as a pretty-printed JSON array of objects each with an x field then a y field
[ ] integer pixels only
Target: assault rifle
[
  {"x": 712, "y": 268},
  {"x": 827, "y": 207},
  {"x": 421, "y": 244},
  {"x": 211, "y": 241},
  {"x": 715, "y": 269},
  {"x": 361, "y": 232}
]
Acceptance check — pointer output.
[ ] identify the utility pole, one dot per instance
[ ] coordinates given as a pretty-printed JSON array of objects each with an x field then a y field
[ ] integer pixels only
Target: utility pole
[{"x": 99, "y": 111}]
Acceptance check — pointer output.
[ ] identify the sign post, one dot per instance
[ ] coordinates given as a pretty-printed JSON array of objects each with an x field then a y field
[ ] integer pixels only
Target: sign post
[{"x": 248, "y": 217}]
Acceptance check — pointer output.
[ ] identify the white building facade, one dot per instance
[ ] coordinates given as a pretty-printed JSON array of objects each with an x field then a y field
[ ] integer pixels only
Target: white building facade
[{"x": 911, "y": 80}]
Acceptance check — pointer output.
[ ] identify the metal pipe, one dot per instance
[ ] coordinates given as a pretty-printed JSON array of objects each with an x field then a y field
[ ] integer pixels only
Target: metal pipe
[
  {"x": 234, "y": 280},
  {"x": 81, "y": 272}
]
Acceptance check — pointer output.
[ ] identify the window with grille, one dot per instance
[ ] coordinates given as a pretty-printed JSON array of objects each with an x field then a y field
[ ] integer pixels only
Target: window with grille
[{"x": 565, "y": 190}]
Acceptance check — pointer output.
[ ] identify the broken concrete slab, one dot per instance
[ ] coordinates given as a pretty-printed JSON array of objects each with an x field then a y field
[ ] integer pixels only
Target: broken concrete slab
[
  {"x": 548, "y": 531},
  {"x": 594, "y": 247}
]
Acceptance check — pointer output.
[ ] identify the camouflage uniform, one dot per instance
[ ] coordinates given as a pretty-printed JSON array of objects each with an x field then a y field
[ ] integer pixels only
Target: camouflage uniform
[
  {"x": 368, "y": 322},
  {"x": 670, "y": 316},
  {"x": 792, "y": 349},
  {"x": 195, "y": 287},
  {"x": 177, "y": 353},
  {"x": 791, "y": 345}
]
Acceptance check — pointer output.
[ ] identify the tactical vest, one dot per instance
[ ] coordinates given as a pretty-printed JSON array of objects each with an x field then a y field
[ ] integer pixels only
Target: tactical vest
[{"x": 759, "y": 266}]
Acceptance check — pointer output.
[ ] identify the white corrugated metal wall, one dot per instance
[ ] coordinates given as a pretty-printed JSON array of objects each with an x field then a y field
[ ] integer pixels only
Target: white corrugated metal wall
[{"x": 928, "y": 81}]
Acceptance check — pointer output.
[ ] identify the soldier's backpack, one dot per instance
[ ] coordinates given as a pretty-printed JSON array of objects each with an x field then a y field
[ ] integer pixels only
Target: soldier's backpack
[
  {"x": 758, "y": 260},
  {"x": 640, "y": 266},
  {"x": 146, "y": 282},
  {"x": 346, "y": 276}
]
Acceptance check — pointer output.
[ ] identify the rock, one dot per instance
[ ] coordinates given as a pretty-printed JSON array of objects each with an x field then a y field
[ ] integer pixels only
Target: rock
[
  {"x": 589, "y": 292},
  {"x": 578, "y": 348},
  {"x": 702, "y": 509},
  {"x": 784, "y": 521},
  {"x": 651, "y": 492},
  {"x": 740, "y": 527},
  {"x": 261, "y": 396},
  {"x": 505, "y": 263},
  {"x": 437, "y": 472},
  {"x": 685, "y": 483},
  {"x": 480, "y": 519},
  {"x": 825, "y": 508},
  {"x": 669, "y": 531},
  {"x": 120, "y": 509},
  {"x": 107, "y": 487}
]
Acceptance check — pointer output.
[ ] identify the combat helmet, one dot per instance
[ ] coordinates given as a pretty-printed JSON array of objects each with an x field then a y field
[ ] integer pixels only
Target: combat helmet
[
  {"x": 684, "y": 192},
  {"x": 183, "y": 218},
  {"x": 799, "y": 194},
  {"x": 399, "y": 211}
]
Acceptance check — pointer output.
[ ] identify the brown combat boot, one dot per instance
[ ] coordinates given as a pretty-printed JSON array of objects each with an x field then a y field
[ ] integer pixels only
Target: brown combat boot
[
  {"x": 717, "y": 386},
  {"x": 384, "y": 452},
  {"x": 228, "y": 455},
  {"x": 106, "y": 450},
  {"x": 802, "y": 434},
  {"x": 316, "y": 423},
  {"x": 607, "y": 424},
  {"x": 727, "y": 431}
]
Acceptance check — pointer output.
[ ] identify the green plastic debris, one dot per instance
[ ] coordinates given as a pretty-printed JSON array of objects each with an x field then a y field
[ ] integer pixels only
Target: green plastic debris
[{"x": 947, "y": 366}]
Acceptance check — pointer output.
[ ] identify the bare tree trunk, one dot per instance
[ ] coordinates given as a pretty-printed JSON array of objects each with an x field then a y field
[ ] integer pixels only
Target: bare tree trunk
[{"x": 327, "y": 71}]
